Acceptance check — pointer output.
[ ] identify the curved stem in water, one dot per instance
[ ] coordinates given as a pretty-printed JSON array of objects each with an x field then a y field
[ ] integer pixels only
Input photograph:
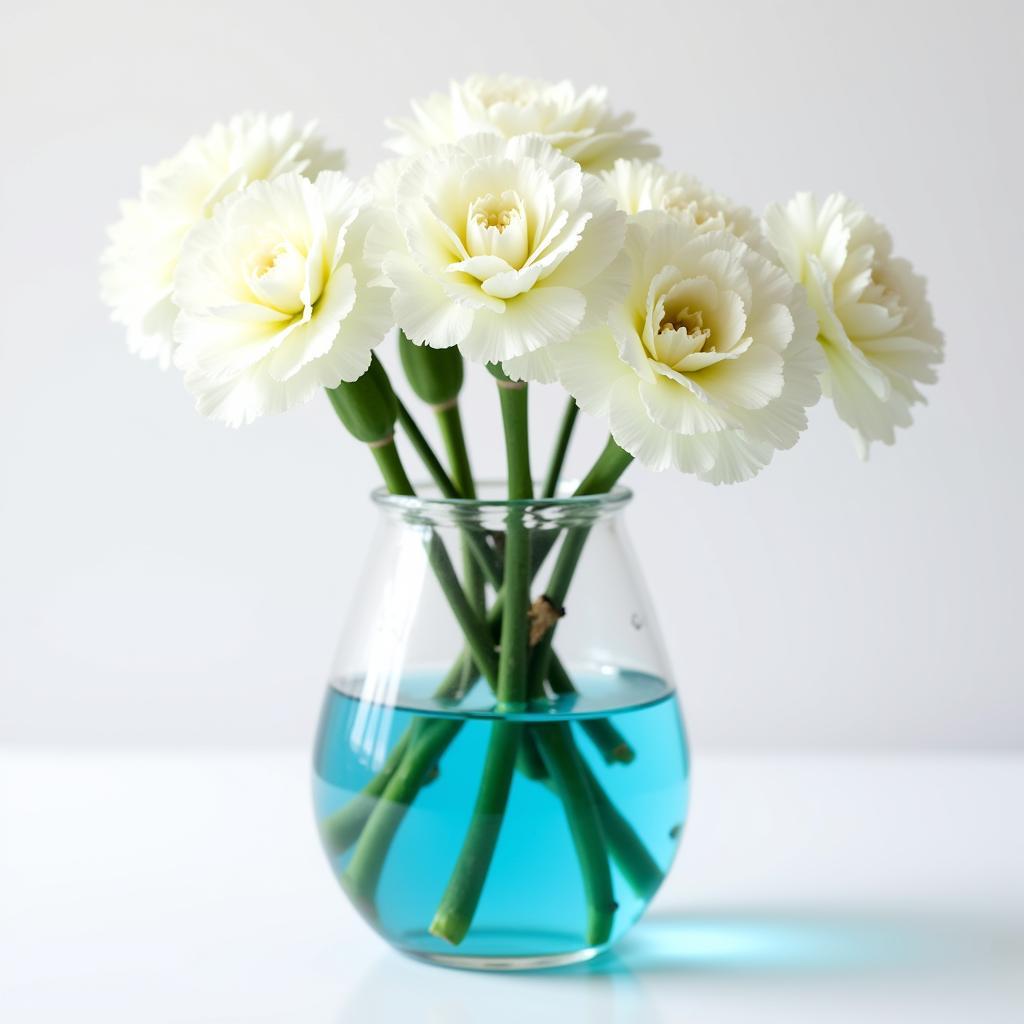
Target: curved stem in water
[
  {"x": 565, "y": 767},
  {"x": 458, "y": 904},
  {"x": 430, "y": 738}
]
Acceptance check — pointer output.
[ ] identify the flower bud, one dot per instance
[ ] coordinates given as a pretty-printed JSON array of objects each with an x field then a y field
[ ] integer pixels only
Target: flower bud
[
  {"x": 367, "y": 406},
  {"x": 434, "y": 374}
]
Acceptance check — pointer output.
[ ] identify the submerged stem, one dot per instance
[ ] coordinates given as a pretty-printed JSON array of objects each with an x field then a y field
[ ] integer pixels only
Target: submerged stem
[
  {"x": 429, "y": 740},
  {"x": 627, "y": 849},
  {"x": 458, "y": 904},
  {"x": 566, "y": 769},
  {"x": 341, "y": 829}
]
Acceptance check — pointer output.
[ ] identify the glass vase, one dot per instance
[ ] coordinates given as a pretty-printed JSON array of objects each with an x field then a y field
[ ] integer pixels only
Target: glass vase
[{"x": 449, "y": 857}]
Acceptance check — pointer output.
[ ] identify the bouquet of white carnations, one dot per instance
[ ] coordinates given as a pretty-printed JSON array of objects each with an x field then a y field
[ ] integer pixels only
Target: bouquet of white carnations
[{"x": 522, "y": 227}]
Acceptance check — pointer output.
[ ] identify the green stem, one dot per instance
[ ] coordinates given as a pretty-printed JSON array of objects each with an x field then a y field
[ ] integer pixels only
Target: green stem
[
  {"x": 474, "y": 544},
  {"x": 453, "y": 686},
  {"x": 391, "y": 469},
  {"x": 514, "y": 416},
  {"x": 444, "y": 483},
  {"x": 631, "y": 856},
  {"x": 557, "y": 589},
  {"x": 474, "y": 628},
  {"x": 529, "y": 762},
  {"x": 611, "y": 464},
  {"x": 341, "y": 829},
  {"x": 449, "y": 421},
  {"x": 515, "y": 626},
  {"x": 609, "y": 741},
  {"x": 461, "y": 897},
  {"x": 613, "y": 746},
  {"x": 429, "y": 740},
  {"x": 605, "y": 473},
  {"x": 561, "y": 448},
  {"x": 566, "y": 769}
]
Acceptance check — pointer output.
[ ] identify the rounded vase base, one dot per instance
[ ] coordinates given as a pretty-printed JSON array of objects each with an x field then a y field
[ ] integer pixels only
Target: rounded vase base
[{"x": 506, "y": 963}]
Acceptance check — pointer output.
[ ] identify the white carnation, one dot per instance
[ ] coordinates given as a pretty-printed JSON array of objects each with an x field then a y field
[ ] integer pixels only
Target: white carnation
[
  {"x": 175, "y": 195},
  {"x": 275, "y": 297},
  {"x": 639, "y": 185},
  {"x": 709, "y": 362},
  {"x": 502, "y": 247},
  {"x": 875, "y": 324},
  {"x": 581, "y": 125}
]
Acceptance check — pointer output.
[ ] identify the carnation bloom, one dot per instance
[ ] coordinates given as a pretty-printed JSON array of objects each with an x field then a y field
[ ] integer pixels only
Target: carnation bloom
[
  {"x": 502, "y": 247},
  {"x": 580, "y": 125},
  {"x": 709, "y": 362},
  {"x": 875, "y": 324},
  {"x": 275, "y": 297},
  {"x": 138, "y": 266},
  {"x": 639, "y": 185}
]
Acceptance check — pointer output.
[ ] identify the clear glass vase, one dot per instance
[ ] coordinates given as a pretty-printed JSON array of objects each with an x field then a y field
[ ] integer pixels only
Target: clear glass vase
[{"x": 444, "y": 856}]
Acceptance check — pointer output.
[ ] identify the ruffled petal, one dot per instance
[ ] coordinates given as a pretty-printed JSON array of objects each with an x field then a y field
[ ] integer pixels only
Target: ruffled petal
[
  {"x": 314, "y": 337},
  {"x": 678, "y": 409},
  {"x": 422, "y": 308},
  {"x": 633, "y": 429},
  {"x": 539, "y": 317},
  {"x": 589, "y": 367},
  {"x": 749, "y": 382}
]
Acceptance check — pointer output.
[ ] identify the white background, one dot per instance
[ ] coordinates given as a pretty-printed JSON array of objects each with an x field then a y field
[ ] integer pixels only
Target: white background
[{"x": 166, "y": 581}]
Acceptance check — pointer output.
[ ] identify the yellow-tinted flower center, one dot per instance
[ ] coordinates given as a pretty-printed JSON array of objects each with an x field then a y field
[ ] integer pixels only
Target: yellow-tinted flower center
[
  {"x": 679, "y": 327},
  {"x": 277, "y": 276},
  {"x": 689, "y": 321},
  {"x": 494, "y": 218},
  {"x": 496, "y": 226}
]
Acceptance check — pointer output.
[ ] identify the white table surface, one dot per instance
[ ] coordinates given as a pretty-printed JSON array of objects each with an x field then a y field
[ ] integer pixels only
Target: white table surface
[{"x": 190, "y": 887}]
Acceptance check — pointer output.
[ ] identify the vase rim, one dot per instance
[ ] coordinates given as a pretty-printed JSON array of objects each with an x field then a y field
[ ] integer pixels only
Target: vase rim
[{"x": 428, "y": 498}]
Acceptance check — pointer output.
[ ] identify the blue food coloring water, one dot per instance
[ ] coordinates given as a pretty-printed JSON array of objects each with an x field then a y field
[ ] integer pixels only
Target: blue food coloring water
[{"x": 533, "y": 902}]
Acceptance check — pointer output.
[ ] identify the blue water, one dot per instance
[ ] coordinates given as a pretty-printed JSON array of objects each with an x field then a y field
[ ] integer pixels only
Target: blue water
[{"x": 533, "y": 902}]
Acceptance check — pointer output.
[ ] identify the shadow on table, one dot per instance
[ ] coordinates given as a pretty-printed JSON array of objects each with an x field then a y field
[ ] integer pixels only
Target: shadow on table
[
  {"x": 673, "y": 955},
  {"x": 801, "y": 944}
]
